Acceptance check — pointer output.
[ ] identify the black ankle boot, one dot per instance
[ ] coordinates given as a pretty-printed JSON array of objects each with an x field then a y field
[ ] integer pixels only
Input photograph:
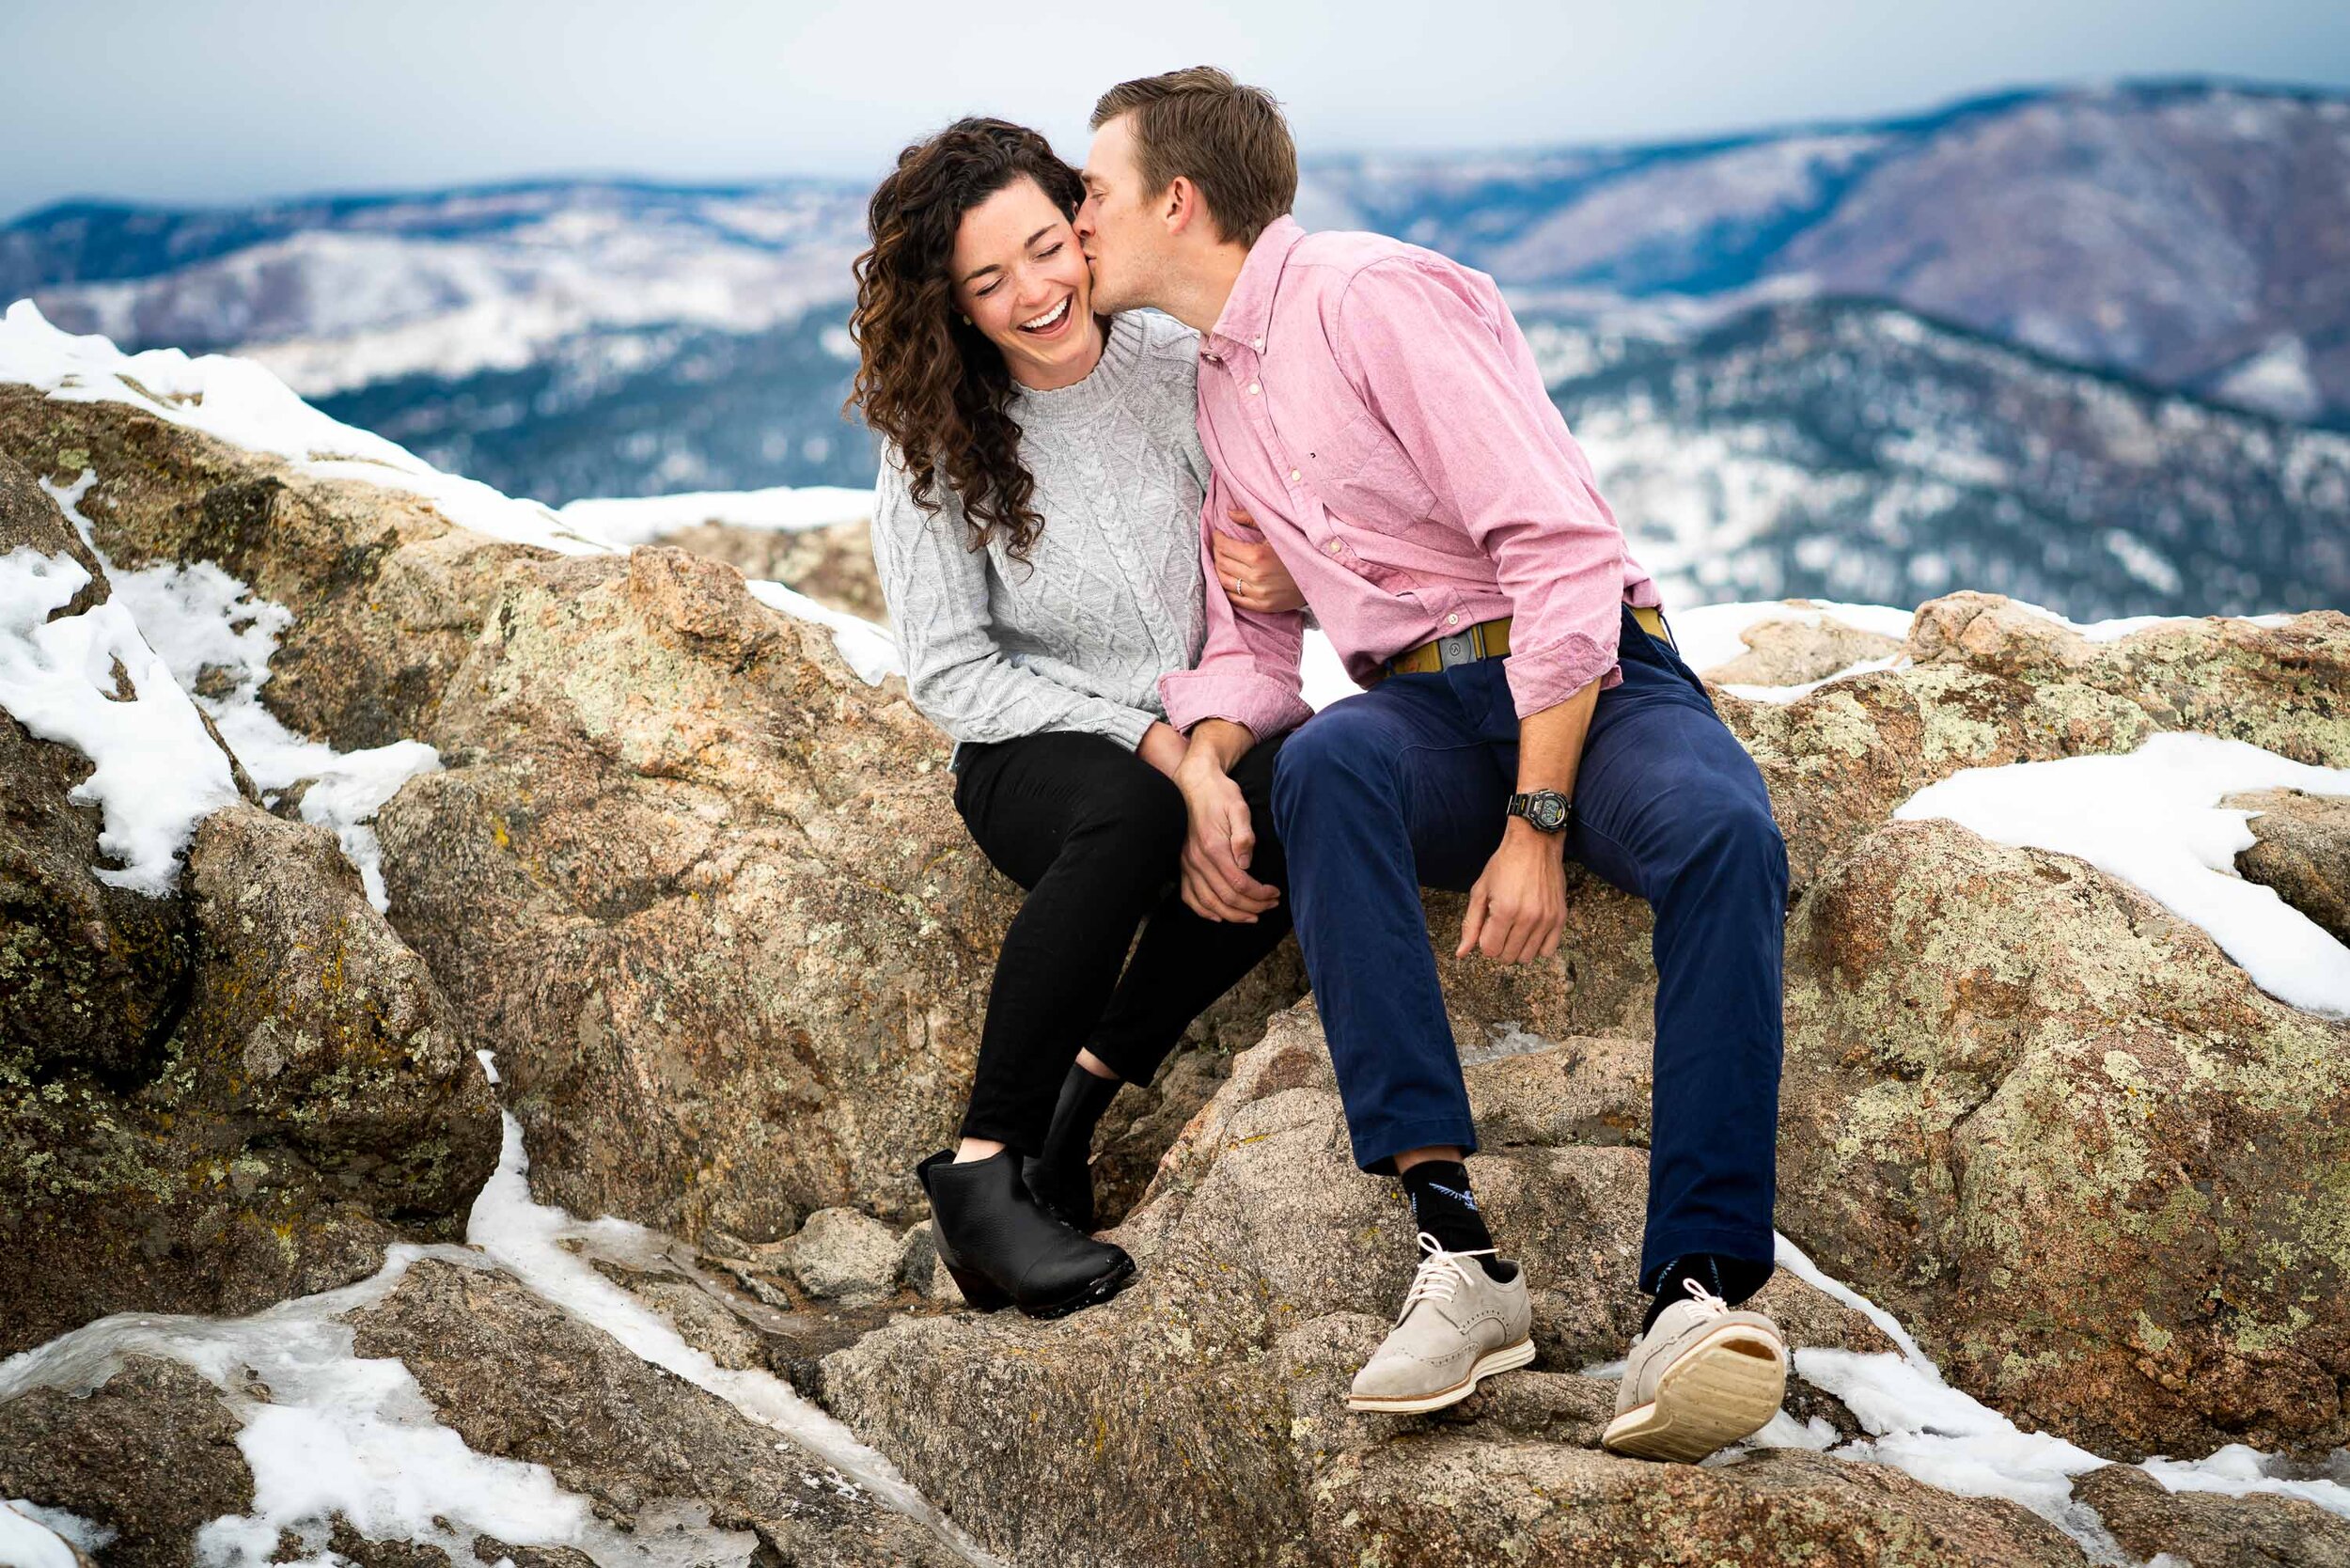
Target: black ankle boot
[
  {"x": 1062, "y": 1176},
  {"x": 1004, "y": 1250}
]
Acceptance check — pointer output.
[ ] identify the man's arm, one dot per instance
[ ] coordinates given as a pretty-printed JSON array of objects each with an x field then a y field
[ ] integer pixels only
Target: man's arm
[
  {"x": 1437, "y": 355},
  {"x": 1518, "y": 908}
]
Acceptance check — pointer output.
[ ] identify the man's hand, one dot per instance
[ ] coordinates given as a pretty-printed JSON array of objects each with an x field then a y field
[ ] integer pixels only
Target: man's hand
[
  {"x": 1253, "y": 576},
  {"x": 1221, "y": 840},
  {"x": 1518, "y": 909}
]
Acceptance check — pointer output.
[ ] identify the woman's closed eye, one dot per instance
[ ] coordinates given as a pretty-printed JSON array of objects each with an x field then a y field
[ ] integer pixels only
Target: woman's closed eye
[{"x": 1045, "y": 255}]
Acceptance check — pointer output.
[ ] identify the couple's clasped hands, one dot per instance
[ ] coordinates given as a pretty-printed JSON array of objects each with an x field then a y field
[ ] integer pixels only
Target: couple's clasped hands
[{"x": 1517, "y": 910}]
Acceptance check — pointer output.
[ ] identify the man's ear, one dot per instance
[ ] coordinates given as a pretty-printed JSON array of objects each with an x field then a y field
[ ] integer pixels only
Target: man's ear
[{"x": 1184, "y": 209}]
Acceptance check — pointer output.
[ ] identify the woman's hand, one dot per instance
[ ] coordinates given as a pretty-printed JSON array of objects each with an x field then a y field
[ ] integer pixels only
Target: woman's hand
[
  {"x": 1253, "y": 576},
  {"x": 1163, "y": 747}
]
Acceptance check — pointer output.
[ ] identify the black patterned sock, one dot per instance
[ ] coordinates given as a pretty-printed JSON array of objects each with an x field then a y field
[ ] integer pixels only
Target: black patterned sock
[
  {"x": 1732, "y": 1278},
  {"x": 1444, "y": 1206}
]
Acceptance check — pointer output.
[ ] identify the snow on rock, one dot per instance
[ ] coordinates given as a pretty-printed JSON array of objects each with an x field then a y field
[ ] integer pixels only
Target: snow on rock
[
  {"x": 2122, "y": 626},
  {"x": 2277, "y": 380},
  {"x": 203, "y": 617},
  {"x": 528, "y": 1238},
  {"x": 28, "y": 1540},
  {"x": 1711, "y": 634},
  {"x": 1945, "y": 1437},
  {"x": 335, "y": 1434},
  {"x": 1322, "y": 676},
  {"x": 238, "y": 401},
  {"x": 641, "y": 519},
  {"x": 91, "y": 682},
  {"x": 2153, "y": 819},
  {"x": 327, "y": 1432},
  {"x": 868, "y": 649},
  {"x": 200, "y": 619}
]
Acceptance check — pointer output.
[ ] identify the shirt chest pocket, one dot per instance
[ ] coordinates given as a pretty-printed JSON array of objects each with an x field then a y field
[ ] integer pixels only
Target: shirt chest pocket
[{"x": 1365, "y": 477}]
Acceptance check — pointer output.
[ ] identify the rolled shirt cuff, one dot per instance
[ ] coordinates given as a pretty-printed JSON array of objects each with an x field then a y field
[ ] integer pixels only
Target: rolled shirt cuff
[
  {"x": 1544, "y": 677},
  {"x": 1264, "y": 705}
]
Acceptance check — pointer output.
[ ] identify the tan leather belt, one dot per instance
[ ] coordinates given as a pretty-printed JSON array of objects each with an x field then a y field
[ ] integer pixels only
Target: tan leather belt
[{"x": 1490, "y": 639}]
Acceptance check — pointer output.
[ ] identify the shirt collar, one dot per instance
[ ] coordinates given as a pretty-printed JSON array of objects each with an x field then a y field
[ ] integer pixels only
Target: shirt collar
[{"x": 1250, "y": 306}]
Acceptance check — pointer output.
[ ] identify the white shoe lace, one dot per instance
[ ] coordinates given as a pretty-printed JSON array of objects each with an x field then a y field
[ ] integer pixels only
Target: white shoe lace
[
  {"x": 1439, "y": 1274},
  {"x": 1710, "y": 1305}
]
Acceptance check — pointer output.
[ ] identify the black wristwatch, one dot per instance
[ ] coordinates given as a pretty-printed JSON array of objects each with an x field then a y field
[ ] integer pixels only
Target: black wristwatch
[{"x": 1546, "y": 811}]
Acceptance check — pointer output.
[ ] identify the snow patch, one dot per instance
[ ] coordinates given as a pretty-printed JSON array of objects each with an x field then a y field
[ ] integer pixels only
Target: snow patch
[
  {"x": 336, "y": 1435},
  {"x": 2239, "y": 1471},
  {"x": 30, "y": 1539},
  {"x": 2277, "y": 380},
  {"x": 91, "y": 682},
  {"x": 2153, "y": 819},
  {"x": 201, "y": 620},
  {"x": 640, "y": 520},
  {"x": 2129, "y": 625},
  {"x": 1323, "y": 678},
  {"x": 1710, "y": 636}
]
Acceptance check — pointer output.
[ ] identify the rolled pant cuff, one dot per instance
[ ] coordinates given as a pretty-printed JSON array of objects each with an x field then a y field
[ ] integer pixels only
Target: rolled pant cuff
[
  {"x": 1376, "y": 1146},
  {"x": 1758, "y": 1246}
]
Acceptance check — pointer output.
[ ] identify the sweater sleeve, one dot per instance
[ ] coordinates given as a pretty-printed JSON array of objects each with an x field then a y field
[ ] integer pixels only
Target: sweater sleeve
[{"x": 957, "y": 674}]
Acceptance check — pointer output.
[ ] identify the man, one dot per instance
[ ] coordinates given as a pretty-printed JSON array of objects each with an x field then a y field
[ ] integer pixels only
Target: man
[{"x": 1376, "y": 409}]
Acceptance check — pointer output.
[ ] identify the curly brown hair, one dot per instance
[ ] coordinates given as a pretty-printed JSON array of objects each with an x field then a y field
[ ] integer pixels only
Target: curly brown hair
[{"x": 927, "y": 380}]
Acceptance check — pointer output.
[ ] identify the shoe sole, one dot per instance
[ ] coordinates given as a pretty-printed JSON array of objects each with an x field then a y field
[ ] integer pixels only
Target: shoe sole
[
  {"x": 1725, "y": 1386},
  {"x": 1508, "y": 1359},
  {"x": 1093, "y": 1295}
]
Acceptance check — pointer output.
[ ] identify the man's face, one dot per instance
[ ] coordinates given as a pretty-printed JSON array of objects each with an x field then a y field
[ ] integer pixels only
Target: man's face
[{"x": 1119, "y": 226}]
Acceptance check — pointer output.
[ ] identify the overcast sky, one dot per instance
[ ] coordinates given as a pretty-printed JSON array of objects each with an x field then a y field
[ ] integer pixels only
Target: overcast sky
[{"x": 191, "y": 101}]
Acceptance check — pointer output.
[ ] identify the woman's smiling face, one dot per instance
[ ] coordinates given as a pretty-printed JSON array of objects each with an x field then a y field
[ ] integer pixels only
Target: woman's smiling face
[{"x": 1020, "y": 277}]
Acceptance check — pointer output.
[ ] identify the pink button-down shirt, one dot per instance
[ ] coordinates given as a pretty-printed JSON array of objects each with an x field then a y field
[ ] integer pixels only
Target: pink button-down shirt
[{"x": 1375, "y": 407}]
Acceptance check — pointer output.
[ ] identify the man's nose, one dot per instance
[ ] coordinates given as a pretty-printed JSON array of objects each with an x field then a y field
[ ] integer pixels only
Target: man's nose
[{"x": 1083, "y": 223}]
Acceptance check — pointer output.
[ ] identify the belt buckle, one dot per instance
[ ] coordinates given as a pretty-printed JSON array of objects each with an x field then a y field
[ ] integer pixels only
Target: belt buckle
[{"x": 1454, "y": 650}]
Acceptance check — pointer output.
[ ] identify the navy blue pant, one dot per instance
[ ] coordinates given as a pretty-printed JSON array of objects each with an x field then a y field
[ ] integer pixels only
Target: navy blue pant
[{"x": 1404, "y": 787}]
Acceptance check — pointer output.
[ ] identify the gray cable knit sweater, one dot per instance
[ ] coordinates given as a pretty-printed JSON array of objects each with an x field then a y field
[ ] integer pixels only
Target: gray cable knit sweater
[{"x": 1110, "y": 597}]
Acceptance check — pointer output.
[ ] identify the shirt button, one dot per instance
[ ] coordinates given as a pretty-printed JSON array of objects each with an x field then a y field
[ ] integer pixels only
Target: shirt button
[
  {"x": 1257, "y": 343},
  {"x": 1252, "y": 388},
  {"x": 1293, "y": 476},
  {"x": 1452, "y": 621},
  {"x": 1334, "y": 547}
]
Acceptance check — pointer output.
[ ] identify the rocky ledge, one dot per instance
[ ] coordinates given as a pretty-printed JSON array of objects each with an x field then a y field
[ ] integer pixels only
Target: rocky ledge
[{"x": 698, "y": 886}]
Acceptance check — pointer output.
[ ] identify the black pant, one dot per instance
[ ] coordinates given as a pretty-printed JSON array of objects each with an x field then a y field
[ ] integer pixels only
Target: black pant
[{"x": 1095, "y": 833}]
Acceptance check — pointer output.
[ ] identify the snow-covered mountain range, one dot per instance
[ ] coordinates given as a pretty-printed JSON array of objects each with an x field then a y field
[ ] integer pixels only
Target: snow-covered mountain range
[{"x": 2105, "y": 343}]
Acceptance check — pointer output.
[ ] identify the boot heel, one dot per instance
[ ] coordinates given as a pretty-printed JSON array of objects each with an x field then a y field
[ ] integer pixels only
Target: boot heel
[{"x": 977, "y": 1289}]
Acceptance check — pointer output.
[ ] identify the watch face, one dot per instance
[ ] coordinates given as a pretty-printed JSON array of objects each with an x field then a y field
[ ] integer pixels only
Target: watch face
[{"x": 1548, "y": 812}]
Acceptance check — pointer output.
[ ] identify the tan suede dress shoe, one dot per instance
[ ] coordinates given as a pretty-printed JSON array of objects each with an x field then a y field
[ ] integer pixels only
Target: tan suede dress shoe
[
  {"x": 1699, "y": 1380},
  {"x": 1459, "y": 1325}
]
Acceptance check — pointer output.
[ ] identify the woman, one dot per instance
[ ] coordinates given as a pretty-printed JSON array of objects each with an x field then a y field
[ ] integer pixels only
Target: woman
[{"x": 1037, "y": 530}]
